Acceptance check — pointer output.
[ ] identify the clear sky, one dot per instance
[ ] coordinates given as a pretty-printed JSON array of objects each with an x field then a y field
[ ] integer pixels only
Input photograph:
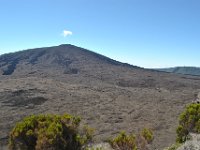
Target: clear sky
[{"x": 147, "y": 33}]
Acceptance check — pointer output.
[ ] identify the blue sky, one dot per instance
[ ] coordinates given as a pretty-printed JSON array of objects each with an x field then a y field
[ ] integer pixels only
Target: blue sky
[{"x": 147, "y": 33}]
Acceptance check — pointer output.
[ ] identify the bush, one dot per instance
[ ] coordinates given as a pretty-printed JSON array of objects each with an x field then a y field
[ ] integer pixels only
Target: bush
[
  {"x": 189, "y": 121},
  {"x": 55, "y": 132},
  {"x": 124, "y": 142},
  {"x": 147, "y": 134},
  {"x": 132, "y": 142}
]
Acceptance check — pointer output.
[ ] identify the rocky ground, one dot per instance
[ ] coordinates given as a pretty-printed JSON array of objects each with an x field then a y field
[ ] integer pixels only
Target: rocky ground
[
  {"x": 192, "y": 144},
  {"x": 108, "y": 95}
]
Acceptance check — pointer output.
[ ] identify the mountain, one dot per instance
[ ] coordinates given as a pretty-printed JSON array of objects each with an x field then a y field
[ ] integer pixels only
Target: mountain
[
  {"x": 109, "y": 95},
  {"x": 183, "y": 70}
]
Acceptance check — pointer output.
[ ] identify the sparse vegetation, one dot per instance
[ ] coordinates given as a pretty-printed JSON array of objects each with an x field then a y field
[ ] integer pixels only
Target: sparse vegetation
[
  {"x": 55, "y": 132},
  {"x": 64, "y": 132},
  {"x": 189, "y": 121},
  {"x": 124, "y": 141},
  {"x": 66, "y": 77},
  {"x": 188, "y": 128},
  {"x": 147, "y": 134}
]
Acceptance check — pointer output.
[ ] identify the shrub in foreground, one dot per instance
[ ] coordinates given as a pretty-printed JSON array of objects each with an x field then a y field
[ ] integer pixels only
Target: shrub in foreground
[
  {"x": 124, "y": 141},
  {"x": 189, "y": 121},
  {"x": 147, "y": 134},
  {"x": 44, "y": 132}
]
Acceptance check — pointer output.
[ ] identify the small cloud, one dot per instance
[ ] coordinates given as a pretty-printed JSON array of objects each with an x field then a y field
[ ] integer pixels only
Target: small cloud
[{"x": 66, "y": 33}]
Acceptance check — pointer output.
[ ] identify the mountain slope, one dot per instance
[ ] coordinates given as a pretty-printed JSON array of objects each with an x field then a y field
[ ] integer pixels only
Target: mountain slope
[
  {"x": 110, "y": 96},
  {"x": 183, "y": 70},
  {"x": 65, "y": 58}
]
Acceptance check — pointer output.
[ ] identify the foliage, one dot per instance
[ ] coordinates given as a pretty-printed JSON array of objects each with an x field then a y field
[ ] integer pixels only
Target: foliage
[
  {"x": 189, "y": 121},
  {"x": 55, "y": 132},
  {"x": 124, "y": 142},
  {"x": 132, "y": 142},
  {"x": 147, "y": 134}
]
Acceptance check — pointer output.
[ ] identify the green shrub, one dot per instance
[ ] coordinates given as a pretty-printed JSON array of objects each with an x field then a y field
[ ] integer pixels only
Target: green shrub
[
  {"x": 124, "y": 142},
  {"x": 189, "y": 121},
  {"x": 147, "y": 134},
  {"x": 55, "y": 132}
]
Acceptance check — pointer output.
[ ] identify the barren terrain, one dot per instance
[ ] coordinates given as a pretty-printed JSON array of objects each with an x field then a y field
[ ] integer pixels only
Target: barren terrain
[{"x": 109, "y": 96}]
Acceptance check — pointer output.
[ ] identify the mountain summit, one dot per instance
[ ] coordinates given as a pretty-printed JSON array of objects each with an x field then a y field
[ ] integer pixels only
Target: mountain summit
[
  {"x": 67, "y": 59},
  {"x": 109, "y": 95}
]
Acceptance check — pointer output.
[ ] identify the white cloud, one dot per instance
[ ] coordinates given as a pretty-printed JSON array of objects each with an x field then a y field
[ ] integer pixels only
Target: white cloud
[{"x": 66, "y": 33}]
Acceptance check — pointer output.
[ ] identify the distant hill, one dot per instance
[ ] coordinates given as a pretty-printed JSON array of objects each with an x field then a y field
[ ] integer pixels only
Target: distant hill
[{"x": 183, "y": 70}]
